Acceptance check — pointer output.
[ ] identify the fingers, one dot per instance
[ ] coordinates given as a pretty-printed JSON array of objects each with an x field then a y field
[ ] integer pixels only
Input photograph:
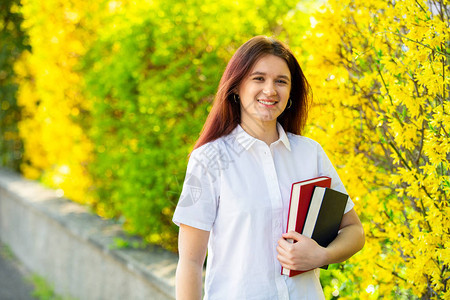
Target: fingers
[
  {"x": 303, "y": 254},
  {"x": 292, "y": 235},
  {"x": 285, "y": 257},
  {"x": 286, "y": 249},
  {"x": 287, "y": 241},
  {"x": 289, "y": 238},
  {"x": 284, "y": 244}
]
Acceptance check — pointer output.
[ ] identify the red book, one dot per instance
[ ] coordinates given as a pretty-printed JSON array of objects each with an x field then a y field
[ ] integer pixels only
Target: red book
[{"x": 301, "y": 193}]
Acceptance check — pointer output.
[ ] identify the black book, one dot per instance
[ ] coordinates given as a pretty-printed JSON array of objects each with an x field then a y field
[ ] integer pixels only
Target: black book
[{"x": 324, "y": 216}]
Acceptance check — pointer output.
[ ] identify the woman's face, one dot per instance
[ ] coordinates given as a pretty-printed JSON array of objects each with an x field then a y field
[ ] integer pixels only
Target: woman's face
[{"x": 264, "y": 92}]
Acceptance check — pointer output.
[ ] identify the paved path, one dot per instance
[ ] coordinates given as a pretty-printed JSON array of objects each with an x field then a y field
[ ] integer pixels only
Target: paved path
[{"x": 13, "y": 282}]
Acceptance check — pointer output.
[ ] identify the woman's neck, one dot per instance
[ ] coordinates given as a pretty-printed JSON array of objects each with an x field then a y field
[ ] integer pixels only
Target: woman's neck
[{"x": 264, "y": 131}]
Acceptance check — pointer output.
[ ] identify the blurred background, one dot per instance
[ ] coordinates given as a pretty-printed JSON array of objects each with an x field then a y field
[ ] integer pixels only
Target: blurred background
[{"x": 103, "y": 100}]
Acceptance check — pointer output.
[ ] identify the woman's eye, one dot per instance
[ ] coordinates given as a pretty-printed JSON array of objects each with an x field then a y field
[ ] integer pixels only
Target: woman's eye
[
  {"x": 282, "y": 81},
  {"x": 258, "y": 78}
]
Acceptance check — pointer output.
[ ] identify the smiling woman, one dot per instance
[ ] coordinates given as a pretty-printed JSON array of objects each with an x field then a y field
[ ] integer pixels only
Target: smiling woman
[
  {"x": 235, "y": 199},
  {"x": 226, "y": 112}
]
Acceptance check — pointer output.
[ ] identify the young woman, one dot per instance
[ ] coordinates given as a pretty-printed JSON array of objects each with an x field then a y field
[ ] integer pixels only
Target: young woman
[{"x": 235, "y": 198}]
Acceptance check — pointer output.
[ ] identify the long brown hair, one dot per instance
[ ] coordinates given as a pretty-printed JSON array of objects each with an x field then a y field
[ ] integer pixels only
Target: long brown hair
[{"x": 225, "y": 113}]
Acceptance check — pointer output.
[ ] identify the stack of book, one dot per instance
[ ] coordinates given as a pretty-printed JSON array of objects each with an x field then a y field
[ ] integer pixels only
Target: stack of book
[{"x": 315, "y": 211}]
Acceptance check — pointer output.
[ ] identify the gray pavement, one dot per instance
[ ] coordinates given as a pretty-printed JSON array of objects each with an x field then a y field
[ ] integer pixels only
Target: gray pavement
[{"x": 14, "y": 284}]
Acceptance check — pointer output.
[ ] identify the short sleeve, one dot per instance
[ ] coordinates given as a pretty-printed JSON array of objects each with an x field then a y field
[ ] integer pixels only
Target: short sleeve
[
  {"x": 197, "y": 205},
  {"x": 326, "y": 168}
]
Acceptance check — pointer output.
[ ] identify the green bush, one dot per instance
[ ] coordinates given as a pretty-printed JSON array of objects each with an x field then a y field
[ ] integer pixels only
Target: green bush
[
  {"x": 152, "y": 78},
  {"x": 13, "y": 42}
]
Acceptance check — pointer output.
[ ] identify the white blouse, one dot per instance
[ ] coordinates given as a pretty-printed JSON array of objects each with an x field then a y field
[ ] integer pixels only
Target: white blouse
[{"x": 238, "y": 188}]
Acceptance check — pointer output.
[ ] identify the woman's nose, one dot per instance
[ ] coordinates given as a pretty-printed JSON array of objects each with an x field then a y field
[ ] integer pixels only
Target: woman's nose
[{"x": 269, "y": 89}]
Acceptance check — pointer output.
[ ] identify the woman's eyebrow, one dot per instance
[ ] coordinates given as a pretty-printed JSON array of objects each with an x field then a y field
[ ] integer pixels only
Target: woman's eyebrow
[{"x": 279, "y": 76}]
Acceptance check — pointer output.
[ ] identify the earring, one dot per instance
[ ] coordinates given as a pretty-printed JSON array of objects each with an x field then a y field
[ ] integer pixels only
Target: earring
[
  {"x": 289, "y": 103},
  {"x": 236, "y": 98}
]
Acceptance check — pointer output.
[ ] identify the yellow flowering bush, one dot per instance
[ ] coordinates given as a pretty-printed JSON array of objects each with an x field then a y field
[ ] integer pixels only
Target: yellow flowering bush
[
  {"x": 56, "y": 148},
  {"x": 380, "y": 75}
]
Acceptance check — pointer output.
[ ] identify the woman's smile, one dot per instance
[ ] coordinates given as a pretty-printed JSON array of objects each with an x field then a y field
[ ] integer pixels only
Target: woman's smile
[{"x": 267, "y": 102}]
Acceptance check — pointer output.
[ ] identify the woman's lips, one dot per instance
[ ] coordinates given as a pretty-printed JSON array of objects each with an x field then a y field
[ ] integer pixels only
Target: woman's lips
[{"x": 267, "y": 102}]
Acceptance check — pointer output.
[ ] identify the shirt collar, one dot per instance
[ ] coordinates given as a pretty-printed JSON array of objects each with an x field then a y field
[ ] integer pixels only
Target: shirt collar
[
  {"x": 283, "y": 137},
  {"x": 246, "y": 140}
]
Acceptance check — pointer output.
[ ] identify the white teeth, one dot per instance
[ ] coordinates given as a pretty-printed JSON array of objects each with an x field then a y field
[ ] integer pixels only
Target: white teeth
[{"x": 267, "y": 102}]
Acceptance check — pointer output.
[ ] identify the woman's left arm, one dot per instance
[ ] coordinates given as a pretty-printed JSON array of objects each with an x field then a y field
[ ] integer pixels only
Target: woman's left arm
[{"x": 306, "y": 254}]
